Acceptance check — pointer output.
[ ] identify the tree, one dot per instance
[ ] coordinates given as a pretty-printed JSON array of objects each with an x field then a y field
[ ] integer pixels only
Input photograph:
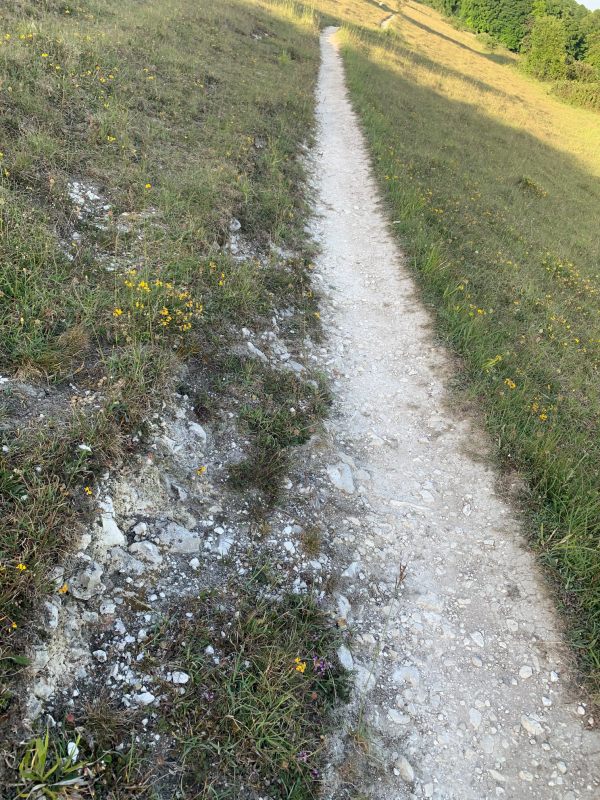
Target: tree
[
  {"x": 547, "y": 48},
  {"x": 592, "y": 55},
  {"x": 505, "y": 21}
]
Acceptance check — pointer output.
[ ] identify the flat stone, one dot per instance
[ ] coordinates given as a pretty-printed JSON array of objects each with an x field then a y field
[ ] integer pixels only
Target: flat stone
[
  {"x": 477, "y": 637},
  {"x": 532, "y": 726},
  {"x": 405, "y": 770},
  {"x": 407, "y": 674},
  {"x": 397, "y": 717},
  {"x": 85, "y": 584},
  {"x": 144, "y": 698},
  {"x": 178, "y": 539},
  {"x": 341, "y": 477},
  {"x": 179, "y": 677},
  {"x": 345, "y": 657},
  {"x": 125, "y": 563},
  {"x": 364, "y": 679},
  {"x": 198, "y": 431},
  {"x": 147, "y": 551}
]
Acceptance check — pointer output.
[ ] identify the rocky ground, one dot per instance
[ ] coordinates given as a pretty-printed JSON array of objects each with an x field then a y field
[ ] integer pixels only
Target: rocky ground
[{"x": 463, "y": 686}]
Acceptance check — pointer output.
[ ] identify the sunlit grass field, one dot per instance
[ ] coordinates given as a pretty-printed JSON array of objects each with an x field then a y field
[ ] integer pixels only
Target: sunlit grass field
[{"x": 493, "y": 189}]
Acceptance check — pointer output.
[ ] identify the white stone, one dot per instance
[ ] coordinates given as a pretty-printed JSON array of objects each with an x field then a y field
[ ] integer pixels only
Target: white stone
[
  {"x": 198, "y": 431},
  {"x": 180, "y": 677},
  {"x": 100, "y": 655},
  {"x": 52, "y": 615},
  {"x": 397, "y": 717},
  {"x": 475, "y": 717},
  {"x": 345, "y": 658},
  {"x": 405, "y": 769},
  {"x": 144, "y": 698},
  {"x": 532, "y": 726},
  {"x": 147, "y": 551},
  {"x": 341, "y": 477},
  {"x": 406, "y": 674},
  {"x": 256, "y": 352},
  {"x": 525, "y": 672},
  {"x": 178, "y": 539},
  {"x": 87, "y": 583}
]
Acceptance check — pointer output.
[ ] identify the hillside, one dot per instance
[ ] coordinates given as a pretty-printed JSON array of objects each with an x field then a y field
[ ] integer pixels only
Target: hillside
[{"x": 299, "y": 468}]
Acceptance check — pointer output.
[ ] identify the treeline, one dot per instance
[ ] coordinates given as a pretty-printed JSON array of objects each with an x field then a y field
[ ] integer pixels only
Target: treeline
[{"x": 560, "y": 39}]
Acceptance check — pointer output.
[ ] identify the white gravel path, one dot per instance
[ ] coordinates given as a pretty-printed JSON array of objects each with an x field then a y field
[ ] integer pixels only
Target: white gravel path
[{"x": 472, "y": 696}]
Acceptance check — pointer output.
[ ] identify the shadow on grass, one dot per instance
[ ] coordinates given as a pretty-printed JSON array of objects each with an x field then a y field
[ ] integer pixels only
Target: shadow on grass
[{"x": 497, "y": 58}]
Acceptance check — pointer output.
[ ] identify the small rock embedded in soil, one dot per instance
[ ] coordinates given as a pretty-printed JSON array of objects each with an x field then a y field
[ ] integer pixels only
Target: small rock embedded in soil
[
  {"x": 405, "y": 770},
  {"x": 147, "y": 551},
  {"x": 144, "y": 698},
  {"x": 532, "y": 726},
  {"x": 87, "y": 583},
  {"x": 345, "y": 658},
  {"x": 178, "y": 539},
  {"x": 341, "y": 477}
]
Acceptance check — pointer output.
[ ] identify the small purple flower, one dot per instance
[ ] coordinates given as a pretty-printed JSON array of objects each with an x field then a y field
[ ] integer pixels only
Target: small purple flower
[
  {"x": 303, "y": 756},
  {"x": 320, "y": 666}
]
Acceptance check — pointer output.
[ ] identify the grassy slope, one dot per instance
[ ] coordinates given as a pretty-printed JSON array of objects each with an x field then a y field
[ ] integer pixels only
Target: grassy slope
[
  {"x": 145, "y": 103},
  {"x": 494, "y": 187}
]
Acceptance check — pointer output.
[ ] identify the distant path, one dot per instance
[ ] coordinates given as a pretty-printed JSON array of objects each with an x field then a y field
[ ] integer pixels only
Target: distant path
[
  {"x": 472, "y": 697},
  {"x": 385, "y": 23}
]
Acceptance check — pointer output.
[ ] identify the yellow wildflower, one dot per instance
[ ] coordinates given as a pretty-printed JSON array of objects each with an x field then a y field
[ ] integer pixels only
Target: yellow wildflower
[
  {"x": 201, "y": 470},
  {"x": 117, "y": 312},
  {"x": 21, "y": 567},
  {"x": 510, "y": 383},
  {"x": 88, "y": 490},
  {"x": 300, "y": 665},
  {"x": 148, "y": 186},
  {"x": 63, "y": 589}
]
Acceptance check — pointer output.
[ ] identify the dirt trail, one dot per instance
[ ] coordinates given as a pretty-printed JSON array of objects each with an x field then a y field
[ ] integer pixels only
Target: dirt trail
[{"x": 468, "y": 687}]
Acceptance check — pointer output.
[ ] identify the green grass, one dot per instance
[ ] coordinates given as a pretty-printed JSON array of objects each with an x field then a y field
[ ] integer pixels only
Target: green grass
[
  {"x": 493, "y": 189},
  {"x": 253, "y": 713},
  {"x": 270, "y": 683},
  {"x": 144, "y": 104}
]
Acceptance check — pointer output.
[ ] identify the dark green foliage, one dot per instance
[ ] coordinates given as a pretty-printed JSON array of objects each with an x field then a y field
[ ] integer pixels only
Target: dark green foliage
[
  {"x": 547, "y": 49},
  {"x": 592, "y": 56},
  {"x": 578, "y": 93},
  {"x": 506, "y": 21},
  {"x": 559, "y": 36}
]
